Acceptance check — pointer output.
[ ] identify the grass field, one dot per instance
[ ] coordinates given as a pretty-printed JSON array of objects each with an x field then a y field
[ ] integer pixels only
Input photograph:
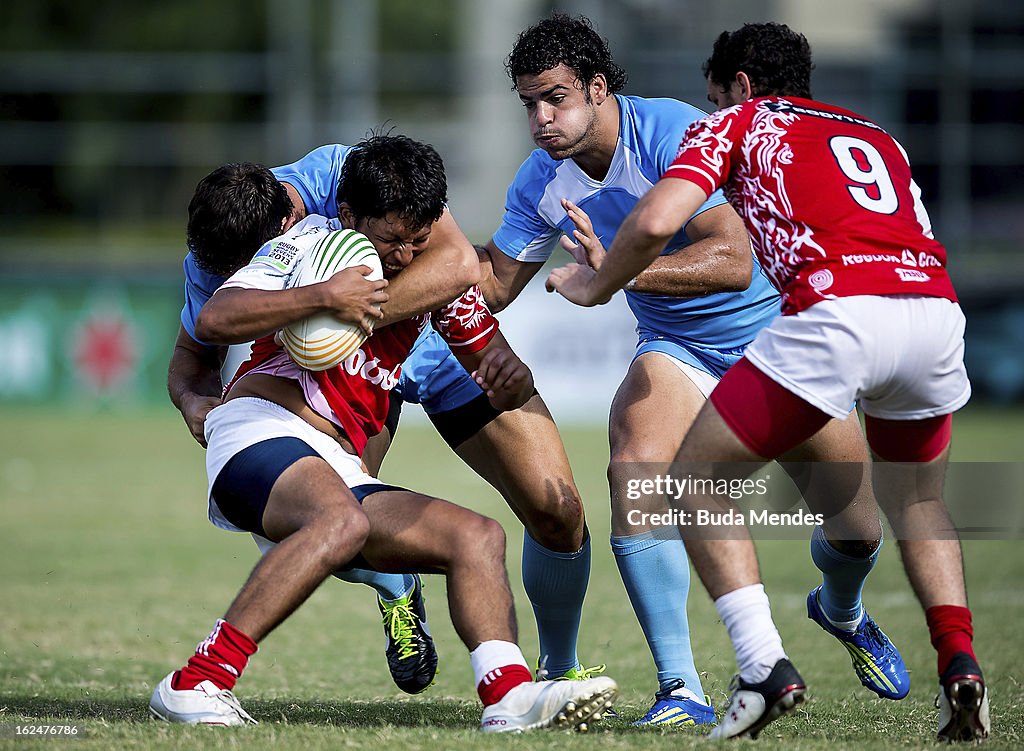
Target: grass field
[{"x": 111, "y": 574}]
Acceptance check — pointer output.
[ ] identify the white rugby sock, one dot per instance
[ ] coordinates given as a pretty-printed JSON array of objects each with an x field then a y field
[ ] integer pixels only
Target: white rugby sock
[
  {"x": 498, "y": 667},
  {"x": 495, "y": 654},
  {"x": 747, "y": 616}
]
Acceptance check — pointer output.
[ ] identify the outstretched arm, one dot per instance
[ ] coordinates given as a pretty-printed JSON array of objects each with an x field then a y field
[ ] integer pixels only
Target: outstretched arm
[
  {"x": 472, "y": 333},
  {"x": 718, "y": 258},
  {"x": 641, "y": 238},
  {"x": 503, "y": 278},
  {"x": 193, "y": 381}
]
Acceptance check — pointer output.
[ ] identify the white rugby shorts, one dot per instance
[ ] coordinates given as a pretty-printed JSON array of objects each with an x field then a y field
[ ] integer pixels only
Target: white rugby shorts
[
  {"x": 901, "y": 357},
  {"x": 243, "y": 422}
]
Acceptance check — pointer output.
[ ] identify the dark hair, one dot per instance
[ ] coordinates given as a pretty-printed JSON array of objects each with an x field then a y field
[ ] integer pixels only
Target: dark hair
[
  {"x": 385, "y": 174},
  {"x": 234, "y": 210},
  {"x": 776, "y": 58},
  {"x": 562, "y": 40}
]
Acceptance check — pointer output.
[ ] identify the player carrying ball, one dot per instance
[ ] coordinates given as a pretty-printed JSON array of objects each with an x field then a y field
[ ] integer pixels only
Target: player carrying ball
[{"x": 284, "y": 449}]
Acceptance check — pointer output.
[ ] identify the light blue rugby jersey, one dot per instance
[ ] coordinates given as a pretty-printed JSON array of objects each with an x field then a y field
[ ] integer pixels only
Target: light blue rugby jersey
[
  {"x": 649, "y": 134},
  {"x": 199, "y": 287},
  {"x": 431, "y": 374},
  {"x": 315, "y": 177}
]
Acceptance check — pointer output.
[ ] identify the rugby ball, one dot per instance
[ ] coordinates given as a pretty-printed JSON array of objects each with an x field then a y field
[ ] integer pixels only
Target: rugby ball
[{"x": 322, "y": 341}]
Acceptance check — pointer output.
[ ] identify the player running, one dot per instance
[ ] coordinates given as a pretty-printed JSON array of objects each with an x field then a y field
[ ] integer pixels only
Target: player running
[
  {"x": 869, "y": 314},
  {"x": 519, "y": 452},
  {"x": 284, "y": 448},
  {"x": 697, "y": 306}
]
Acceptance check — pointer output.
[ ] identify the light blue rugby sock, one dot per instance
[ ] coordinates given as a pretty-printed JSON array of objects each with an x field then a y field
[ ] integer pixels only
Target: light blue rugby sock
[
  {"x": 843, "y": 577},
  {"x": 556, "y": 584},
  {"x": 388, "y": 586},
  {"x": 656, "y": 573}
]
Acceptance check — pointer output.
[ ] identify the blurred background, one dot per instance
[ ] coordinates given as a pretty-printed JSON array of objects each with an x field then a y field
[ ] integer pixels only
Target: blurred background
[{"x": 110, "y": 112}]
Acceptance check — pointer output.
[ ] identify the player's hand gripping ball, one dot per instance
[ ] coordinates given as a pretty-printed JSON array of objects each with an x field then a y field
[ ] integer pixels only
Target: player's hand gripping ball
[{"x": 322, "y": 341}]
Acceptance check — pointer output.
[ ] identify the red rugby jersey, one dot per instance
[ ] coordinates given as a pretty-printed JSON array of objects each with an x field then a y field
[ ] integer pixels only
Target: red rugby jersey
[
  {"x": 826, "y": 195},
  {"x": 358, "y": 389}
]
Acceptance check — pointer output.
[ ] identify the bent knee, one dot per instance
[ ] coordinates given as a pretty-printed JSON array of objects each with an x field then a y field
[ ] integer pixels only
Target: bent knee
[
  {"x": 342, "y": 534},
  {"x": 858, "y": 548},
  {"x": 556, "y": 522},
  {"x": 479, "y": 537},
  {"x": 627, "y": 453}
]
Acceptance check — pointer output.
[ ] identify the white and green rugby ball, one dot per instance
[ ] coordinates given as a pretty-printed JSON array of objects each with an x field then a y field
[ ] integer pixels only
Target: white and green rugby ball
[{"x": 322, "y": 341}]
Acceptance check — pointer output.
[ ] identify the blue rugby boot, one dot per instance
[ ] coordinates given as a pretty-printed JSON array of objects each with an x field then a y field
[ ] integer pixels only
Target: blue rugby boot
[
  {"x": 875, "y": 658},
  {"x": 674, "y": 709}
]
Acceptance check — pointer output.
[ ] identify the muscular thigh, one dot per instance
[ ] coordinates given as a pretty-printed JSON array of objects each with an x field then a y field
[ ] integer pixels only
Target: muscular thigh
[
  {"x": 520, "y": 453},
  {"x": 652, "y": 410},
  {"x": 832, "y": 472},
  {"x": 412, "y": 532},
  {"x": 307, "y": 491},
  {"x": 841, "y": 440}
]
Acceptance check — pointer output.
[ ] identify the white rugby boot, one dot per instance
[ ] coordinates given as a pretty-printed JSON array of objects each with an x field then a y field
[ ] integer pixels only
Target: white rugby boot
[
  {"x": 753, "y": 705},
  {"x": 203, "y": 705},
  {"x": 555, "y": 704}
]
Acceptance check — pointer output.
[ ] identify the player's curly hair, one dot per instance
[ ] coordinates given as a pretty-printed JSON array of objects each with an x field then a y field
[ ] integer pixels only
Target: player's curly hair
[
  {"x": 564, "y": 40},
  {"x": 776, "y": 58},
  {"x": 234, "y": 210},
  {"x": 386, "y": 173}
]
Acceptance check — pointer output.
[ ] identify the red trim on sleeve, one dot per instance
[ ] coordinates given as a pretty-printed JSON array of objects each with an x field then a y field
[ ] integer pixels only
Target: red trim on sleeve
[
  {"x": 698, "y": 177},
  {"x": 466, "y": 323}
]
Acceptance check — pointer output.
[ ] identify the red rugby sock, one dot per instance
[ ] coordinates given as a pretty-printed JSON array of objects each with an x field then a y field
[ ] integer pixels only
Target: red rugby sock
[
  {"x": 500, "y": 681},
  {"x": 220, "y": 658},
  {"x": 951, "y": 632}
]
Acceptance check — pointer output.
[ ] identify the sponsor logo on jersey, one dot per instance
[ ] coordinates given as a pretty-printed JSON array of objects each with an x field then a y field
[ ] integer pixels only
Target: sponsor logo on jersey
[
  {"x": 784, "y": 106},
  {"x": 821, "y": 280},
  {"x": 912, "y": 275},
  {"x": 277, "y": 254},
  {"x": 854, "y": 259},
  {"x": 357, "y": 364},
  {"x": 906, "y": 258}
]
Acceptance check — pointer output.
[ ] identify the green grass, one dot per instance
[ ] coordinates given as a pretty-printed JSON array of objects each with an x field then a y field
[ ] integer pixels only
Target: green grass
[{"x": 111, "y": 574}]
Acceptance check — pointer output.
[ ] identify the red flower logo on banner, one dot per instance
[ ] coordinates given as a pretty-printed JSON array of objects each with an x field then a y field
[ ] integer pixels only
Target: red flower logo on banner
[{"x": 105, "y": 350}]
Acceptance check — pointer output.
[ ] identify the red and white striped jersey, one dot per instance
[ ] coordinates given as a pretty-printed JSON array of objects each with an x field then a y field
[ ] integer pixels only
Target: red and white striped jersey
[
  {"x": 354, "y": 395},
  {"x": 826, "y": 195}
]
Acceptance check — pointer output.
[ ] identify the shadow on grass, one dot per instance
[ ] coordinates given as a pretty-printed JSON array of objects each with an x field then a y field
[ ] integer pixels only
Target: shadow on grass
[{"x": 436, "y": 713}]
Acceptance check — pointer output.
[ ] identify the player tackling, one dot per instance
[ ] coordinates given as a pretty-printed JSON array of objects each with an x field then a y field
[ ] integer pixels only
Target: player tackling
[
  {"x": 869, "y": 314},
  {"x": 283, "y": 456},
  {"x": 237, "y": 208}
]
